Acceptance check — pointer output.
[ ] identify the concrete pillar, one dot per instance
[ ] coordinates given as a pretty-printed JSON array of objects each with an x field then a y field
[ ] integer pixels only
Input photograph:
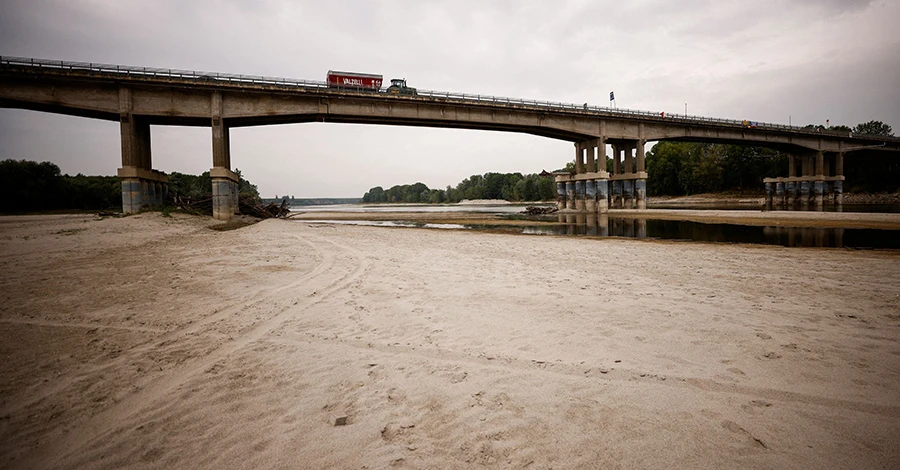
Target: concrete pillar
[
  {"x": 590, "y": 162},
  {"x": 220, "y": 134},
  {"x": 768, "y": 195},
  {"x": 579, "y": 159},
  {"x": 579, "y": 196},
  {"x": 628, "y": 194},
  {"x": 640, "y": 187},
  {"x": 135, "y": 139},
  {"x": 804, "y": 165},
  {"x": 629, "y": 160},
  {"x": 590, "y": 196},
  {"x": 617, "y": 163},
  {"x": 224, "y": 183},
  {"x": 603, "y": 225},
  {"x": 792, "y": 166},
  {"x": 838, "y": 193},
  {"x": 616, "y": 194},
  {"x": 131, "y": 195},
  {"x": 820, "y": 192},
  {"x": 601, "y": 154},
  {"x": 602, "y": 195},
  {"x": 560, "y": 195},
  {"x": 820, "y": 163},
  {"x": 640, "y": 155},
  {"x": 804, "y": 193},
  {"x": 570, "y": 195},
  {"x": 839, "y": 164},
  {"x": 779, "y": 193}
]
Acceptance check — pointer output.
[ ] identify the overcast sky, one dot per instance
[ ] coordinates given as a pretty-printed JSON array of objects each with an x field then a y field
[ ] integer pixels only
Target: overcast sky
[{"x": 802, "y": 61}]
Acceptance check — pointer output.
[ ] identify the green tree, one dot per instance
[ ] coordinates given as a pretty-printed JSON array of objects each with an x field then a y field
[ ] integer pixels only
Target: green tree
[{"x": 873, "y": 128}]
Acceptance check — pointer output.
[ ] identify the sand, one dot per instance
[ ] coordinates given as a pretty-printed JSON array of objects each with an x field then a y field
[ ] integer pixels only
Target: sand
[{"x": 154, "y": 342}]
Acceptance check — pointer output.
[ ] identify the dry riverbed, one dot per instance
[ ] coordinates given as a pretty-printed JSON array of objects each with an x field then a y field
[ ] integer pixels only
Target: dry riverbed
[{"x": 155, "y": 342}]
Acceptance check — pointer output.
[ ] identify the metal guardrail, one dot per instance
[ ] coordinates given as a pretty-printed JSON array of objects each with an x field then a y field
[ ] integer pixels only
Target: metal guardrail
[{"x": 233, "y": 79}]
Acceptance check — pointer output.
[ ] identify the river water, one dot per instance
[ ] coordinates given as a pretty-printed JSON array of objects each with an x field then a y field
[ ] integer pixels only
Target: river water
[{"x": 607, "y": 226}]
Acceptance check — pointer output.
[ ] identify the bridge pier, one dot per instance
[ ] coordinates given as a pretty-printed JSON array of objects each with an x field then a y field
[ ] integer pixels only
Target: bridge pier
[
  {"x": 142, "y": 186},
  {"x": 590, "y": 196},
  {"x": 560, "y": 195},
  {"x": 570, "y": 195},
  {"x": 224, "y": 193},
  {"x": 224, "y": 181},
  {"x": 579, "y": 196},
  {"x": 814, "y": 182},
  {"x": 628, "y": 194},
  {"x": 602, "y": 195}
]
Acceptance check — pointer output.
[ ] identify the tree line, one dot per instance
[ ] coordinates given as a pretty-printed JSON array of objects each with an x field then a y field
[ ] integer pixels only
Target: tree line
[
  {"x": 674, "y": 169},
  {"x": 513, "y": 187},
  {"x": 27, "y": 186},
  {"x": 682, "y": 168}
]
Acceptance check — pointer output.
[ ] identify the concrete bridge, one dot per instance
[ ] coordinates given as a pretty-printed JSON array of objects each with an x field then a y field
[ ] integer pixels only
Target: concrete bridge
[{"x": 138, "y": 97}]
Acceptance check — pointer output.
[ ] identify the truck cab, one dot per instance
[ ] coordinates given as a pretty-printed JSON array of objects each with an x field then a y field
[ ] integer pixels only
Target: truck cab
[{"x": 398, "y": 87}]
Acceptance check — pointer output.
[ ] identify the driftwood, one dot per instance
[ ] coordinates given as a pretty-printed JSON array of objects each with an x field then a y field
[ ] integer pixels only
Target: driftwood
[
  {"x": 247, "y": 206},
  {"x": 271, "y": 210},
  {"x": 536, "y": 210}
]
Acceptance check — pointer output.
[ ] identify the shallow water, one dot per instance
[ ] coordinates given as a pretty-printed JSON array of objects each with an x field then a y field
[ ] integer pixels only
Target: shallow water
[{"x": 601, "y": 226}]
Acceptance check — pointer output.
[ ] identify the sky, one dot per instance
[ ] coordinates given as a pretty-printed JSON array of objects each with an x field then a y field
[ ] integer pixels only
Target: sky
[{"x": 781, "y": 61}]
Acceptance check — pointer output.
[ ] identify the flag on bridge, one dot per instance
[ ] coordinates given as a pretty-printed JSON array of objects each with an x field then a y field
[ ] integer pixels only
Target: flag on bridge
[{"x": 612, "y": 97}]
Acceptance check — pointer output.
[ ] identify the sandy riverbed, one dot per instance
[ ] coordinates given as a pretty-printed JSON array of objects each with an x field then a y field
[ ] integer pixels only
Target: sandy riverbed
[{"x": 152, "y": 342}]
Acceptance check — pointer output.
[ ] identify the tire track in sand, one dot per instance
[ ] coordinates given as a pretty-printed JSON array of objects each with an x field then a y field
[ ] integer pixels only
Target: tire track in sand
[
  {"x": 331, "y": 277},
  {"x": 169, "y": 338}
]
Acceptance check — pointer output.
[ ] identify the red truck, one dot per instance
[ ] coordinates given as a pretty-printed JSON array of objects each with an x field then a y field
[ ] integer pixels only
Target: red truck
[{"x": 359, "y": 81}]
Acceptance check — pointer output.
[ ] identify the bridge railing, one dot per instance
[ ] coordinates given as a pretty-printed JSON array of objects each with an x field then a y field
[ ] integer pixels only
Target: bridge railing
[{"x": 223, "y": 78}]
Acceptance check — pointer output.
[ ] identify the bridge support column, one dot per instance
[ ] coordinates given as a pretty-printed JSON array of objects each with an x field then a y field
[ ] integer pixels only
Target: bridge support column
[
  {"x": 779, "y": 193},
  {"x": 142, "y": 186},
  {"x": 224, "y": 192},
  {"x": 602, "y": 195},
  {"x": 616, "y": 199},
  {"x": 560, "y": 195},
  {"x": 629, "y": 159},
  {"x": 570, "y": 195},
  {"x": 768, "y": 195},
  {"x": 641, "y": 192},
  {"x": 804, "y": 193},
  {"x": 579, "y": 196},
  {"x": 590, "y": 196},
  {"x": 820, "y": 188},
  {"x": 628, "y": 193},
  {"x": 839, "y": 184},
  {"x": 224, "y": 181}
]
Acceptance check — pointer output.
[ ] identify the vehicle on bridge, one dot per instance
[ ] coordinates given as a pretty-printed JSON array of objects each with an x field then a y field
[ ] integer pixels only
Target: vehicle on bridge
[
  {"x": 353, "y": 80},
  {"x": 398, "y": 87}
]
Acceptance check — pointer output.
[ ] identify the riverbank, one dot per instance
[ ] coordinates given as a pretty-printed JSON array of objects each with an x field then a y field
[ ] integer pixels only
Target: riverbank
[
  {"x": 757, "y": 200},
  {"x": 884, "y": 221},
  {"x": 147, "y": 341}
]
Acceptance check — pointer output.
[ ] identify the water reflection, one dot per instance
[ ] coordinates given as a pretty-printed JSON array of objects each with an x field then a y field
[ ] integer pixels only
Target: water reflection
[
  {"x": 594, "y": 225},
  {"x": 603, "y": 226}
]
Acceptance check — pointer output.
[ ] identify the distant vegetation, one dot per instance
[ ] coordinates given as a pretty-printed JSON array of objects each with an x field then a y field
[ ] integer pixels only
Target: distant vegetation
[
  {"x": 674, "y": 169},
  {"x": 509, "y": 186},
  {"x": 27, "y": 186},
  {"x": 682, "y": 168},
  {"x": 318, "y": 201}
]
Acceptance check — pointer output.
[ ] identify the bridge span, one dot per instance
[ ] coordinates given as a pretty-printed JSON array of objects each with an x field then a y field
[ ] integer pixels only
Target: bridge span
[{"x": 138, "y": 97}]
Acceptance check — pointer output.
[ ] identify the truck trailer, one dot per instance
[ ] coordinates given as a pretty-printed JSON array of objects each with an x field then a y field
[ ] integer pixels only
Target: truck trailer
[{"x": 353, "y": 80}]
